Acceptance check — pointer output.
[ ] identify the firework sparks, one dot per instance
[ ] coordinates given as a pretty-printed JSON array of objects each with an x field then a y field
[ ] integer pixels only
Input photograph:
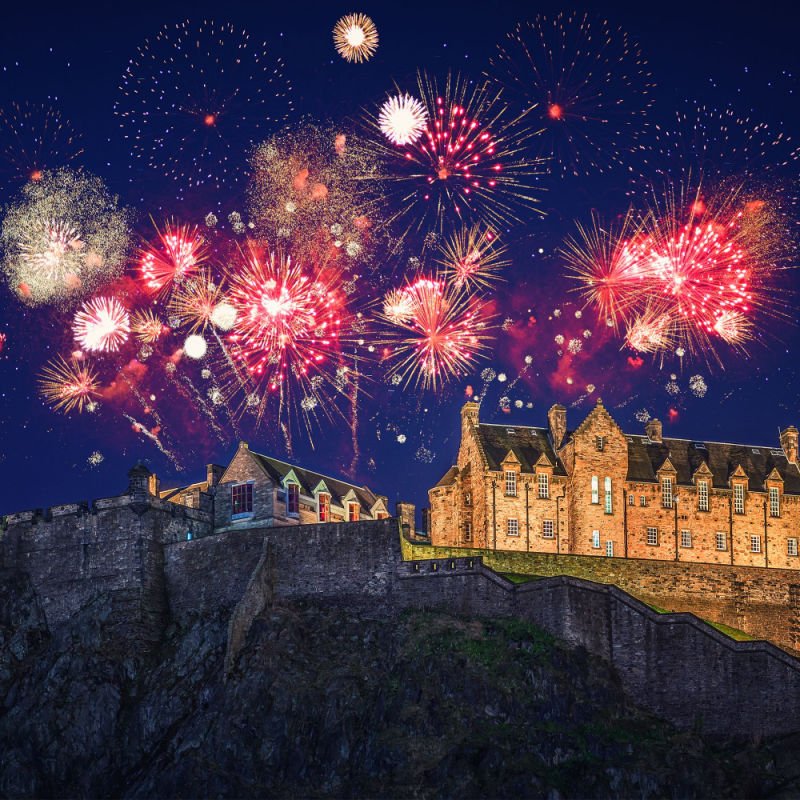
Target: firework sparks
[
  {"x": 68, "y": 385},
  {"x": 195, "y": 301},
  {"x": 586, "y": 80},
  {"x": 179, "y": 251},
  {"x": 355, "y": 38},
  {"x": 402, "y": 119},
  {"x": 650, "y": 332},
  {"x": 473, "y": 258},
  {"x": 146, "y": 326},
  {"x": 195, "y": 97},
  {"x": 63, "y": 237},
  {"x": 102, "y": 325},
  {"x": 469, "y": 165},
  {"x": 447, "y": 332}
]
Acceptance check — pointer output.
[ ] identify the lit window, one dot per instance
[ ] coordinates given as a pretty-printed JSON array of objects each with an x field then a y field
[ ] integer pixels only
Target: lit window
[
  {"x": 686, "y": 538},
  {"x": 774, "y": 501},
  {"x": 467, "y": 531},
  {"x": 666, "y": 492},
  {"x": 607, "y": 496},
  {"x": 513, "y": 527},
  {"x": 548, "y": 529},
  {"x": 755, "y": 544},
  {"x": 293, "y": 499},
  {"x": 792, "y": 547},
  {"x": 544, "y": 485},
  {"x": 738, "y": 498},
  {"x": 595, "y": 489},
  {"x": 511, "y": 484},
  {"x": 381, "y": 515},
  {"x": 652, "y": 536},
  {"x": 610, "y": 549},
  {"x": 722, "y": 543},
  {"x": 702, "y": 495},
  {"x": 642, "y": 501},
  {"x": 596, "y": 539},
  {"x": 353, "y": 510},
  {"x": 631, "y": 499},
  {"x": 241, "y": 499},
  {"x": 323, "y": 507}
]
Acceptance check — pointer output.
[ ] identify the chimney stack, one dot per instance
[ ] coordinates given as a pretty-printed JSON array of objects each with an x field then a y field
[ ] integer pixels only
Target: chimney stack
[
  {"x": 653, "y": 430},
  {"x": 789, "y": 443},
  {"x": 407, "y": 513},
  {"x": 557, "y": 420},
  {"x": 213, "y": 474}
]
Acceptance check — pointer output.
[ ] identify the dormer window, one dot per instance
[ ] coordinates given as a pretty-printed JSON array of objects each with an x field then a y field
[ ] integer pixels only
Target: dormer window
[
  {"x": 293, "y": 499},
  {"x": 324, "y": 507},
  {"x": 666, "y": 492},
  {"x": 702, "y": 495},
  {"x": 738, "y": 498},
  {"x": 353, "y": 510},
  {"x": 511, "y": 483}
]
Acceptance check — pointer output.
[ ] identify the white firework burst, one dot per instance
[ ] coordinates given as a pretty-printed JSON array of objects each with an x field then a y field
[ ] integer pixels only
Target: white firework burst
[{"x": 402, "y": 119}]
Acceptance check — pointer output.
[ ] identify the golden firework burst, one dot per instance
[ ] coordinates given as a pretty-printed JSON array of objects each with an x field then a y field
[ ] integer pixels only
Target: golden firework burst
[
  {"x": 68, "y": 385},
  {"x": 355, "y": 38}
]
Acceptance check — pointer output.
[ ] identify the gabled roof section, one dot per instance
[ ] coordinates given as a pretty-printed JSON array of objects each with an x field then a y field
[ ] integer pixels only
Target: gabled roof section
[
  {"x": 449, "y": 478},
  {"x": 739, "y": 472},
  {"x": 774, "y": 475},
  {"x": 702, "y": 471},
  {"x": 543, "y": 461},
  {"x": 528, "y": 444},
  {"x": 667, "y": 466},
  {"x": 511, "y": 458},
  {"x": 598, "y": 411}
]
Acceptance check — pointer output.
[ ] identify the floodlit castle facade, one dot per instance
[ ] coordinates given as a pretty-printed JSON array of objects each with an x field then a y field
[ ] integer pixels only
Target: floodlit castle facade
[{"x": 596, "y": 490}]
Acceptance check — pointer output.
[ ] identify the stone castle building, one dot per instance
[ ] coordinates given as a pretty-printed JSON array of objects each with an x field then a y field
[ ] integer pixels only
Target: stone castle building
[{"x": 597, "y": 490}]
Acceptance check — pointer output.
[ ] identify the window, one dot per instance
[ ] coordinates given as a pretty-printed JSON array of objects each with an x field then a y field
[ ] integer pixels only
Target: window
[
  {"x": 791, "y": 547},
  {"x": 738, "y": 498},
  {"x": 631, "y": 499},
  {"x": 381, "y": 515},
  {"x": 610, "y": 549},
  {"x": 467, "y": 531},
  {"x": 774, "y": 501},
  {"x": 293, "y": 499},
  {"x": 353, "y": 512},
  {"x": 607, "y": 493},
  {"x": 544, "y": 485},
  {"x": 686, "y": 538},
  {"x": 600, "y": 442},
  {"x": 666, "y": 492},
  {"x": 323, "y": 507},
  {"x": 755, "y": 544},
  {"x": 596, "y": 539},
  {"x": 467, "y": 498},
  {"x": 548, "y": 529},
  {"x": 721, "y": 541},
  {"x": 652, "y": 536},
  {"x": 512, "y": 527},
  {"x": 595, "y": 489},
  {"x": 511, "y": 484},
  {"x": 702, "y": 495},
  {"x": 241, "y": 499},
  {"x": 642, "y": 501}
]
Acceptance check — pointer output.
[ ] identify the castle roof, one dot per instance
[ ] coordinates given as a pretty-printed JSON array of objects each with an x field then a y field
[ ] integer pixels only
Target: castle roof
[
  {"x": 527, "y": 444},
  {"x": 449, "y": 478}
]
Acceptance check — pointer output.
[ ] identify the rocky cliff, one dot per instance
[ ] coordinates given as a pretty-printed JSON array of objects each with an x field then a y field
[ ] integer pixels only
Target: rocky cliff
[{"x": 326, "y": 701}]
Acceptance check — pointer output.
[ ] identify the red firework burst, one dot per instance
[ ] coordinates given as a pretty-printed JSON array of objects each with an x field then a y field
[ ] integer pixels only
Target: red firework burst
[
  {"x": 440, "y": 334},
  {"x": 176, "y": 255}
]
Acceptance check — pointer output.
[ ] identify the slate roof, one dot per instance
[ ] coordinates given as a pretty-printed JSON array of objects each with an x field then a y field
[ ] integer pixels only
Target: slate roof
[
  {"x": 278, "y": 470},
  {"x": 645, "y": 457},
  {"x": 527, "y": 443},
  {"x": 449, "y": 478}
]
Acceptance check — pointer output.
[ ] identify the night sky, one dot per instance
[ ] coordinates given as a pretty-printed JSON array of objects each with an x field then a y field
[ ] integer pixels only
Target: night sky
[{"x": 72, "y": 57}]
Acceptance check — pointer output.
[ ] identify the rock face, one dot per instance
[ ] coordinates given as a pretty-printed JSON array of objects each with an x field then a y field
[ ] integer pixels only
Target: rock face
[{"x": 322, "y": 700}]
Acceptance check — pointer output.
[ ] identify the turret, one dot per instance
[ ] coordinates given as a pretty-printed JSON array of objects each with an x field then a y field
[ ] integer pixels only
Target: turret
[{"x": 789, "y": 443}]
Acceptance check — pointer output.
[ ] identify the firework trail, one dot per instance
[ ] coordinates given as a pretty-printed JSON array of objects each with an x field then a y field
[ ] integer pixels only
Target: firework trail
[
  {"x": 138, "y": 427},
  {"x": 585, "y": 82},
  {"x": 203, "y": 406}
]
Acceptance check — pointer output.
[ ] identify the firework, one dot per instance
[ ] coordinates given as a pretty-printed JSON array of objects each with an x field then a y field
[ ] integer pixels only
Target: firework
[
  {"x": 223, "y": 316},
  {"x": 447, "y": 332},
  {"x": 175, "y": 256},
  {"x": 587, "y": 84},
  {"x": 195, "y": 346},
  {"x": 402, "y": 119},
  {"x": 195, "y": 97},
  {"x": 102, "y": 324},
  {"x": 469, "y": 166},
  {"x": 473, "y": 257},
  {"x": 34, "y": 138},
  {"x": 650, "y": 332},
  {"x": 64, "y": 236},
  {"x": 195, "y": 300},
  {"x": 146, "y": 326},
  {"x": 733, "y": 327},
  {"x": 355, "y": 38},
  {"x": 68, "y": 385}
]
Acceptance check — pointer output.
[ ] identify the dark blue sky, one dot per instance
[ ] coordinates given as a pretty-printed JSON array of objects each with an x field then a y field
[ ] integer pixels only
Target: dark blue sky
[{"x": 73, "y": 56}]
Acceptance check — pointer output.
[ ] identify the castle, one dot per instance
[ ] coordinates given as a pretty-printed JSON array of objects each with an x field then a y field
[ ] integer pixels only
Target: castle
[{"x": 598, "y": 491}]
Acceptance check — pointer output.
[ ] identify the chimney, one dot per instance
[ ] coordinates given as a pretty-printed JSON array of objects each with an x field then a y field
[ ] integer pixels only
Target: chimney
[
  {"x": 789, "y": 444},
  {"x": 213, "y": 474},
  {"x": 469, "y": 416},
  {"x": 154, "y": 485},
  {"x": 653, "y": 430},
  {"x": 407, "y": 513},
  {"x": 557, "y": 420}
]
